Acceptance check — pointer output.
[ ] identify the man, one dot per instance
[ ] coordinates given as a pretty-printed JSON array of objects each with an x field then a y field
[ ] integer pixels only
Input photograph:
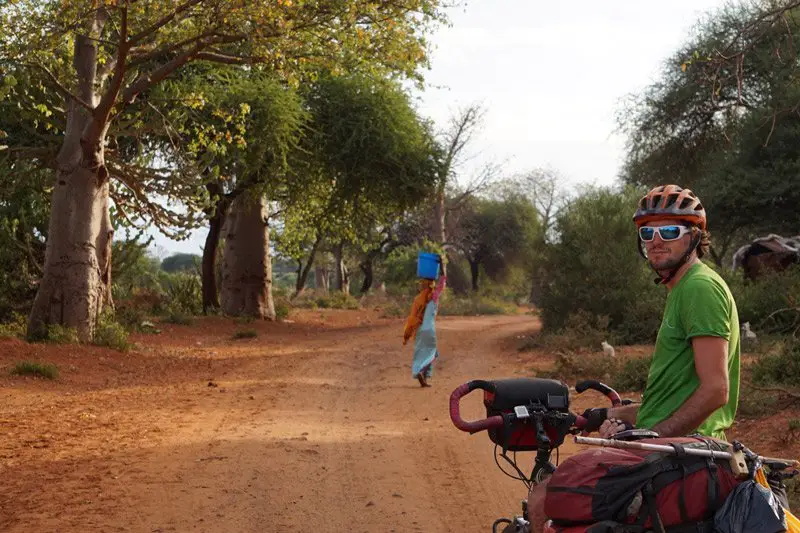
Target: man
[{"x": 693, "y": 383}]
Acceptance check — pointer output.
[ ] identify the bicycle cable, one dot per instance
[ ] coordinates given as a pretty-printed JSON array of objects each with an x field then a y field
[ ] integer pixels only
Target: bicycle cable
[{"x": 521, "y": 474}]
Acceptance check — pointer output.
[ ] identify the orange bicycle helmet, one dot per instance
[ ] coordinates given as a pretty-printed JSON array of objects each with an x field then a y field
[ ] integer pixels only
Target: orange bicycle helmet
[{"x": 670, "y": 201}]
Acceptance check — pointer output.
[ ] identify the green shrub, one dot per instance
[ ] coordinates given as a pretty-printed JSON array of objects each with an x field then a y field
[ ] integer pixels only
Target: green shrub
[
  {"x": 451, "y": 305},
  {"x": 334, "y": 300},
  {"x": 178, "y": 317},
  {"x": 282, "y": 308},
  {"x": 760, "y": 301},
  {"x": 631, "y": 373},
  {"x": 571, "y": 366},
  {"x": 58, "y": 334},
  {"x": 245, "y": 334},
  {"x": 340, "y": 300},
  {"x": 111, "y": 334},
  {"x": 582, "y": 330},
  {"x": 756, "y": 404},
  {"x": 183, "y": 291},
  {"x": 16, "y": 327},
  {"x": 28, "y": 368},
  {"x": 130, "y": 316},
  {"x": 625, "y": 374},
  {"x": 594, "y": 268},
  {"x": 394, "y": 310},
  {"x": 305, "y": 302},
  {"x": 781, "y": 366}
]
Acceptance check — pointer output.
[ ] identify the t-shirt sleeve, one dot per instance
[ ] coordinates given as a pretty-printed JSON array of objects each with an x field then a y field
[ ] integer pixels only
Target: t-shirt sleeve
[{"x": 705, "y": 309}]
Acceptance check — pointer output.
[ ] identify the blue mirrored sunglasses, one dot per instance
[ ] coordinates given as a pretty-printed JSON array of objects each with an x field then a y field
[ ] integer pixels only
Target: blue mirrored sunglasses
[{"x": 667, "y": 233}]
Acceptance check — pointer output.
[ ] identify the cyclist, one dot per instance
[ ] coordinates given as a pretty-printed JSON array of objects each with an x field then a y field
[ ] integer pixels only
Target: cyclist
[{"x": 693, "y": 383}]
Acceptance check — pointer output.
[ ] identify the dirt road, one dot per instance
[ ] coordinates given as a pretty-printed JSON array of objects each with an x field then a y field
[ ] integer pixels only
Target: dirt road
[{"x": 312, "y": 426}]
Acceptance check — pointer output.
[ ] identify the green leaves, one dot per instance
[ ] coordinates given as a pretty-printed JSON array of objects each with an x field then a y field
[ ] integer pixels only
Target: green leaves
[
  {"x": 594, "y": 267},
  {"x": 497, "y": 234},
  {"x": 724, "y": 127}
]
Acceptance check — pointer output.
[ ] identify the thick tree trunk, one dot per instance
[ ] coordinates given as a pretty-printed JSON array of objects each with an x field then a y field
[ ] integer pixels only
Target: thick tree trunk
[
  {"x": 322, "y": 278},
  {"x": 76, "y": 282},
  {"x": 474, "y": 268},
  {"x": 247, "y": 266},
  {"x": 209, "y": 270},
  {"x": 342, "y": 274}
]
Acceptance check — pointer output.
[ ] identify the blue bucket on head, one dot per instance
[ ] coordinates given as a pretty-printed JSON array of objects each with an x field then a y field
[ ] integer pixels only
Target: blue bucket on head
[{"x": 428, "y": 266}]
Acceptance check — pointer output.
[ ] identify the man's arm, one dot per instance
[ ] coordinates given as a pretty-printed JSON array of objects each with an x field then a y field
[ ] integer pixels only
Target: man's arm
[{"x": 711, "y": 365}]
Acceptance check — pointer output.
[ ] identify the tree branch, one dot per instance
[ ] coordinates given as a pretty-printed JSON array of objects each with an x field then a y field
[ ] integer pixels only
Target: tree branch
[
  {"x": 217, "y": 57},
  {"x": 781, "y": 390},
  {"x": 138, "y": 59},
  {"x": 66, "y": 93},
  {"x": 103, "y": 110},
  {"x": 475, "y": 186},
  {"x": 136, "y": 38},
  {"x": 144, "y": 82},
  {"x": 28, "y": 249}
]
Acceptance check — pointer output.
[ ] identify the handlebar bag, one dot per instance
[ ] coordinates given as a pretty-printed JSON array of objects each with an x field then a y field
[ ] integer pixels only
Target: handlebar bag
[{"x": 520, "y": 435}]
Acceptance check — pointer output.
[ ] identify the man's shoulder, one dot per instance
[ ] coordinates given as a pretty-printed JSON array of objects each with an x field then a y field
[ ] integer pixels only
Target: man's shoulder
[
  {"x": 703, "y": 281},
  {"x": 704, "y": 276}
]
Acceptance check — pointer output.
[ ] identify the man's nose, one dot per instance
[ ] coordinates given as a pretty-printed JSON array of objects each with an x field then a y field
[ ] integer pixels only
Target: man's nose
[{"x": 656, "y": 238}]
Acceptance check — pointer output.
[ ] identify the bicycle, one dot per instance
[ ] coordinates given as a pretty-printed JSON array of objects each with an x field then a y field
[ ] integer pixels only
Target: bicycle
[{"x": 532, "y": 414}]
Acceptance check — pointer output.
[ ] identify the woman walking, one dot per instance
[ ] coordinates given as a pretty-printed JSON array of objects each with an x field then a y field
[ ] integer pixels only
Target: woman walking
[{"x": 421, "y": 324}]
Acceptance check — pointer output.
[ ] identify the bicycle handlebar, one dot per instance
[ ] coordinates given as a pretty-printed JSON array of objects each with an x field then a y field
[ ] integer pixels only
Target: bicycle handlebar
[
  {"x": 455, "y": 408},
  {"x": 602, "y": 388},
  {"x": 475, "y": 426}
]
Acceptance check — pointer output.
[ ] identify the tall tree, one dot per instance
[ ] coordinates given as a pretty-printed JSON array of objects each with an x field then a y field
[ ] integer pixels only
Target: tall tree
[
  {"x": 495, "y": 235},
  {"x": 243, "y": 136},
  {"x": 100, "y": 56},
  {"x": 453, "y": 143},
  {"x": 722, "y": 120},
  {"x": 247, "y": 265},
  {"x": 371, "y": 155}
]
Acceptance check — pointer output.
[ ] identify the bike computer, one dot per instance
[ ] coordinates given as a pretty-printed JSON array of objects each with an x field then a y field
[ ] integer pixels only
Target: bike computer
[{"x": 521, "y": 411}]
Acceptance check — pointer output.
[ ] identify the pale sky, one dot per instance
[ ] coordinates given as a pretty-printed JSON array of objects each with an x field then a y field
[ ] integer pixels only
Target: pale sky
[{"x": 550, "y": 75}]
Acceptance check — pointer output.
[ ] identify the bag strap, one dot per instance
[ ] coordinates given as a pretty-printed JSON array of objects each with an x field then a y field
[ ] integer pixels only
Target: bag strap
[
  {"x": 649, "y": 497},
  {"x": 682, "y": 497},
  {"x": 713, "y": 487}
]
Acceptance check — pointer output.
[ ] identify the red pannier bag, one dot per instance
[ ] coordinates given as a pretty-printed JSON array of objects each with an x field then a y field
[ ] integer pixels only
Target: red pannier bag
[{"x": 603, "y": 488}]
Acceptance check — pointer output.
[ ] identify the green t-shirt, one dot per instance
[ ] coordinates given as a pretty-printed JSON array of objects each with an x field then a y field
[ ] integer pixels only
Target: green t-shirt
[{"x": 700, "y": 304}]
